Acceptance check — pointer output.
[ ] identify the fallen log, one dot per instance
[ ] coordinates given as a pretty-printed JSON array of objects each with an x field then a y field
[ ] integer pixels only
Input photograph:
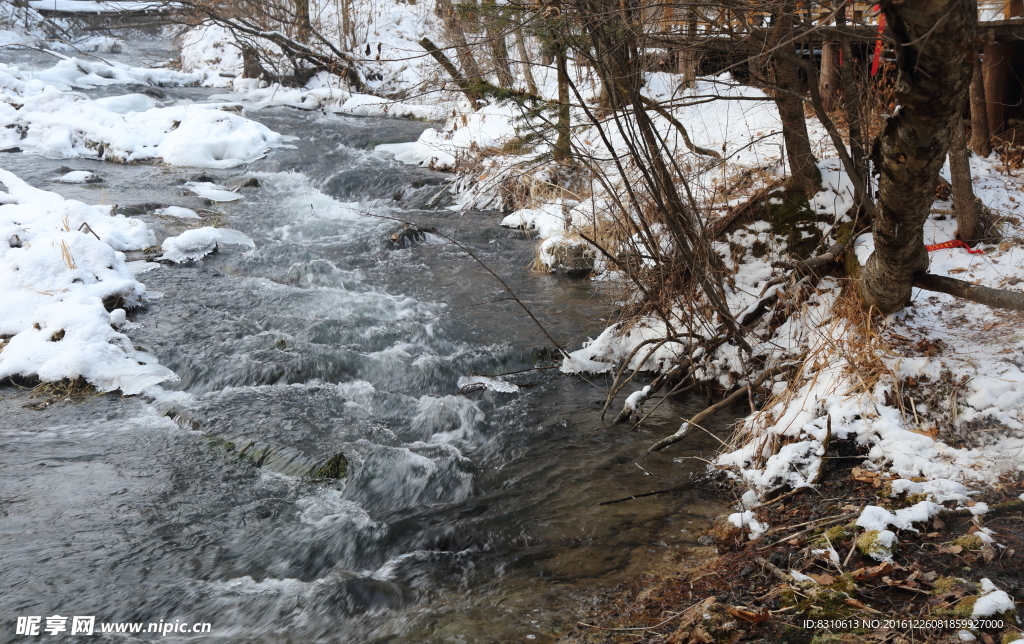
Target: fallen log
[{"x": 994, "y": 297}]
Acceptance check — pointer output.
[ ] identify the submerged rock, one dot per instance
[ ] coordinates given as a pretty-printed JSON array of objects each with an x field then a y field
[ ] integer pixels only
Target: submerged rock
[
  {"x": 406, "y": 235},
  {"x": 571, "y": 256}
]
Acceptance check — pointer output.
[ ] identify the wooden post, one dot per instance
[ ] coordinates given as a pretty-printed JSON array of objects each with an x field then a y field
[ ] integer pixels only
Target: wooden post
[
  {"x": 828, "y": 79},
  {"x": 996, "y": 77}
]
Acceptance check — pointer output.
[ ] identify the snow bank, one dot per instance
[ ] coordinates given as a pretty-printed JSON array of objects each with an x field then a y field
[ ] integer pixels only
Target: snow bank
[
  {"x": 55, "y": 281},
  {"x": 54, "y": 122},
  {"x": 209, "y": 50},
  {"x": 86, "y": 6}
]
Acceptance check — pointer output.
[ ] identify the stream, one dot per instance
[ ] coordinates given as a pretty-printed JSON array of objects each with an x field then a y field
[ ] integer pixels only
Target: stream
[{"x": 469, "y": 517}]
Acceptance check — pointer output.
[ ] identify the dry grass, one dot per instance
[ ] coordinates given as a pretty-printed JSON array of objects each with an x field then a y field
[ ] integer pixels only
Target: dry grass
[
  {"x": 46, "y": 394},
  {"x": 850, "y": 336},
  {"x": 1010, "y": 147},
  {"x": 65, "y": 253}
]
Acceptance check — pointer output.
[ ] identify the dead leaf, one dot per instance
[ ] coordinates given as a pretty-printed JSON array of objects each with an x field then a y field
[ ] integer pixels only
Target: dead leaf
[
  {"x": 957, "y": 270},
  {"x": 989, "y": 327},
  {"x": 873, "y": 572},
  {"x": 949, "y": 550},
  {"x": 824, "y": 579},
  {"x": 988, "y": 553},
  {"x": 701, "y": 636},
  {"x": 855, "y": 603},
  {"x": 866, "y": 476},
  {"x": 748, "y": 615}
]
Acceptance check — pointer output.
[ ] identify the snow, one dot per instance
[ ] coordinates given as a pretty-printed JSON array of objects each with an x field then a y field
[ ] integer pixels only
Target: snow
[
  {"x": 992, "y": 601},
  {"x": 547, "y": 220},
  {"x": 197, "y": 243},
  {"x": 56, "y": 122},
  {"x": 210, "y": 51},
  {"x": 634, "y": 398},
  {"x": 873, "y": 517},
  {"x": 54, "y": 281},
  {"x": 746, "y": 518}
]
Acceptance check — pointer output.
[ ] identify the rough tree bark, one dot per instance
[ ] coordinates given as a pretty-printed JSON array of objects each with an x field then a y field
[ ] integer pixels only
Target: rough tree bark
[
  {"x": 852, "y": 105},
  {"x": 303, "y": 28},
  {"x": 931, "y": 41},
  {"x": 964, "y": 202},
  {"x": 980, "y": 135}
]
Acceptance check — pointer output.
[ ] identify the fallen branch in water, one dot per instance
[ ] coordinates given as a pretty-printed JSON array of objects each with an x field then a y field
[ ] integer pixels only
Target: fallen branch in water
[
  {"x": 678, "y": 488},
  {"x": 733, "y": 397}
]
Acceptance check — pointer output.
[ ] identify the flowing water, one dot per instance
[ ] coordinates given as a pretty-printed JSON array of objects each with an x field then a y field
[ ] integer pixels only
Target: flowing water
[{"x": 469, "y": 517}]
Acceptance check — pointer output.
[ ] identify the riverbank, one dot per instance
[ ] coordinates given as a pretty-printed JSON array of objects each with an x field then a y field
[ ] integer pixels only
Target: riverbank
[{"x": 817, "y": 578}]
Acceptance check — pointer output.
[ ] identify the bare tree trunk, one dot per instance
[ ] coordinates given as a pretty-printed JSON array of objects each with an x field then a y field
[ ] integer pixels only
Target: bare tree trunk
[
  {"x": 499, "y": 48},
  {"x": 303, "y": 28},
  {"x": 689, "y": 57},
  {"x": 563, "y": 145},
  {"x": 803, "y": 167},
  {"x": 525, "y": 62},
  {"x": 348, "y": 33},
  {"x": 980, "y": 135},
  {"x": 931, "y": 44},
  {"x": 446, "y": 64},
  {"x": 852, "y": 106},
  {"x": 455, "y": 33},
  {"x": 828, "y": 78},
  {"x": 964, "y": 202}
]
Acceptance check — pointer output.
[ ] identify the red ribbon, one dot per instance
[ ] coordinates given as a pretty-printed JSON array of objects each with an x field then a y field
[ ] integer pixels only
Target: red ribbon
[
  {"x": 878, "y": 43},
  {"x": 956, "y": 243}
]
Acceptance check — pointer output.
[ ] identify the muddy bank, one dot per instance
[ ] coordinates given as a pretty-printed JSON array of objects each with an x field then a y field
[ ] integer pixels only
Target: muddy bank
[{"x": 788, "y": 586}]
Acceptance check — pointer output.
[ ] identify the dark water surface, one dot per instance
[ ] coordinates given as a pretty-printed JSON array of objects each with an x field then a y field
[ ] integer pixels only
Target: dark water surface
[{"x": 463, "y": 518}]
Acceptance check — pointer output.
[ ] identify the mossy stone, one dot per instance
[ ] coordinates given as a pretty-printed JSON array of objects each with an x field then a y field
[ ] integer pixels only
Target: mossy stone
[{"x": 336, "y": 467}]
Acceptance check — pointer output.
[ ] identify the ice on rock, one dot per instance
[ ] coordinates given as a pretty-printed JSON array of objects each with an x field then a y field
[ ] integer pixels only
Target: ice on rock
[
  {"x": 179, "y": 212},
  {"x": 212, "y": 191},
  {"x": 493, "y": 384},
  {"x": 78, "y": 176},
  {"x": 199, "y": 242},
  {"x": 53, "y": 286}
]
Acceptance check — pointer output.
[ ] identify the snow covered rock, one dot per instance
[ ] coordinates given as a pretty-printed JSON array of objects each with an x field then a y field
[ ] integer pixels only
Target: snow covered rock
[{"x": 199, "y": 242}]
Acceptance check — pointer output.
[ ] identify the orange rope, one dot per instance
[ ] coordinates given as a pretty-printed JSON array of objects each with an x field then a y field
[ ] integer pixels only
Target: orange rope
[{"x": 956, "y": 243}]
